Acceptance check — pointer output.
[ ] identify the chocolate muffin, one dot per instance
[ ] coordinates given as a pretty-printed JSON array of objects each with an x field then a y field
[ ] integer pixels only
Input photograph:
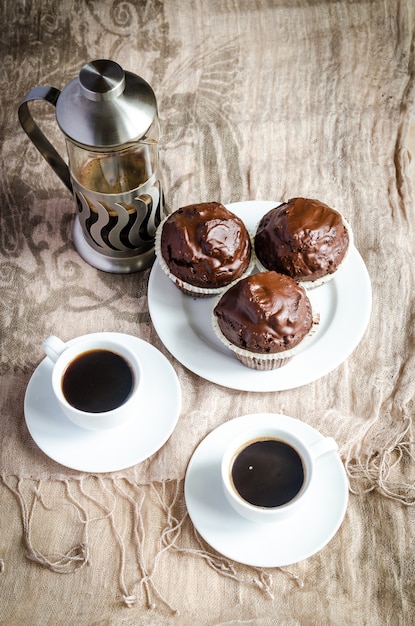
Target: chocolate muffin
[
  {"x": 304, "y": 239},
  {"x": 264, "y": 319},
  {"x": 203, "y": 248}
]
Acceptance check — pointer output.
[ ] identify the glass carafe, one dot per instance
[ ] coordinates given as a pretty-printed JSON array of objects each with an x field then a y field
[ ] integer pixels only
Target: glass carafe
[{"x": 110, "y": 122}]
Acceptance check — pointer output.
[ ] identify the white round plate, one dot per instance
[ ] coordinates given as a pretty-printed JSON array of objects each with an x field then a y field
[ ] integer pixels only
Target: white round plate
[
  {"x": 272, "y": 544},
  {"x": 184, "y": 324},
  {"x": 117, "y": 448}
]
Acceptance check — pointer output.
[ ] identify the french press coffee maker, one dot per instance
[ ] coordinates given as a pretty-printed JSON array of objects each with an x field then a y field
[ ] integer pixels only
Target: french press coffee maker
[{"x": 110, "y": 122}]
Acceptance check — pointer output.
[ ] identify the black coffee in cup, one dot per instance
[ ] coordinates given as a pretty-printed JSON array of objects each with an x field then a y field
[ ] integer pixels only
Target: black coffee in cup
[
  {"x": 267, "y": 473},
  {"x": 98, "y": 381}
]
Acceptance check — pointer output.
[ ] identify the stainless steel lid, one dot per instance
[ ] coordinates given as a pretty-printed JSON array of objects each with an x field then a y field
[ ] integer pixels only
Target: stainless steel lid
[{"x": 105, "y": 106}]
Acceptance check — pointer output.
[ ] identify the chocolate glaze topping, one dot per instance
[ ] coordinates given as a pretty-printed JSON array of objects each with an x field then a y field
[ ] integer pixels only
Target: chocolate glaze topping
[
  {"x": 265, "y": 313},
  {"x": 303, "y": 238},
  {"x": 206, "y": 245}
]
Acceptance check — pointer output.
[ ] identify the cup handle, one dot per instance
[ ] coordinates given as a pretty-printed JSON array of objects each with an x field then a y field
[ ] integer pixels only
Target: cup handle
[
  {"x": 327, "y": 444},
  {"x": 53, "y": 347}
]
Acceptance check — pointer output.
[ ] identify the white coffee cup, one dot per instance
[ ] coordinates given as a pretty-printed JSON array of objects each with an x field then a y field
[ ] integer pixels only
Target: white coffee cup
[
  {"x": 92, "y": 401},
  {"x": 268, "y": 482}
]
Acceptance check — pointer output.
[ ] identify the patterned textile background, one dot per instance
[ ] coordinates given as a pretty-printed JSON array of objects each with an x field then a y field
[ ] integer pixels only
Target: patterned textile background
[
  {"x": 258, "y": 100},
  {"x": 237, "y": 124}
]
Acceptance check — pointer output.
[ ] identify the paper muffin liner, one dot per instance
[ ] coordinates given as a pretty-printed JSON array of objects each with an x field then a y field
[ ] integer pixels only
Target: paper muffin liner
[
  {"x": 312, "y": 284},
  {"x": 268, "y": 361},
  {"x": 188, "y": 288}
]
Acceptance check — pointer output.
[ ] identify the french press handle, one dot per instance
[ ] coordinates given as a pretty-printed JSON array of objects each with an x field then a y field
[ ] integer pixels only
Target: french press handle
[{"x": 51, "y": 95}]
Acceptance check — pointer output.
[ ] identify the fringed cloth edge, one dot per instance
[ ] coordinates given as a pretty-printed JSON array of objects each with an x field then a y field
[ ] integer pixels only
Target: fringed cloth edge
[
  {"x": 389, "y": 470},
  {"x": 93, "y": 498},
  {"x": 177, "y": 534}
]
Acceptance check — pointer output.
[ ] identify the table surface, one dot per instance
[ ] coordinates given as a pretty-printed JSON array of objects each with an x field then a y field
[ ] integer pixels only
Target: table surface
[{"x": 260, "y": 100}]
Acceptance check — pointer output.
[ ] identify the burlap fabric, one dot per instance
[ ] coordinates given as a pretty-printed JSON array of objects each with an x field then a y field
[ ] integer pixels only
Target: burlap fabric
[{"x": 258, "y": 100}]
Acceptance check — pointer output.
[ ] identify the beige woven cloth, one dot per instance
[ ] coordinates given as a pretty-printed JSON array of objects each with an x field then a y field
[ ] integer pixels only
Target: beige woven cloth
[{"x": 258, "y": 100}]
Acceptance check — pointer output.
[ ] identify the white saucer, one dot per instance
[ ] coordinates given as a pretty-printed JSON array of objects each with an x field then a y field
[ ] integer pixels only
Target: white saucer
[
  {"x": 269, "y": 544},
  {"x": 184, "y": 324},
  {"x": 117, "y": 448}
]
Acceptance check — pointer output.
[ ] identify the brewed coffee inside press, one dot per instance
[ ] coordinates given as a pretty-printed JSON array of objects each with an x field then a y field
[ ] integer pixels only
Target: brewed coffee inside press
[{"x": 114, "y": 174}]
